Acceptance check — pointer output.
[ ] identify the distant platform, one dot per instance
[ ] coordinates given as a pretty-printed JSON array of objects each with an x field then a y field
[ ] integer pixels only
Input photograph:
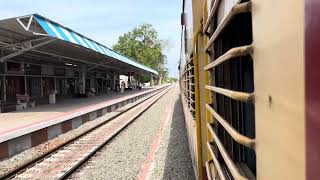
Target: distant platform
[
  {"x": 13, "y": 120},
  {"x": 30, "y": 127}
]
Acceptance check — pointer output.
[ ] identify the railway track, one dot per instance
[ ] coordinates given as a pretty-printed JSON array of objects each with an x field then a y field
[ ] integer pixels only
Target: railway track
[{"x": 62, "y": 161}]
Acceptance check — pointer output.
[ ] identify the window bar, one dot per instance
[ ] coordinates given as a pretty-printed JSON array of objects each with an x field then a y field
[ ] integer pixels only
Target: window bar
[
  {"x": 236, "y": 95},
  {"x": 185, "y": 72},
  {"x": 190, "y": 92},
  {"x": 208, "y": 170},
  {"x": 237, "y": 9},
  {"x": 211, "y": 15},
  {"x": 230, "y": 164},
  {"x": 192, "y": 109},
  {"x": 235, "y": 107},
  {"x": 188, "y": 86},
  {"x": 232, "y": 53},
  {"x": 216, "y": 164},
  {"x": 241, "y": 139}
]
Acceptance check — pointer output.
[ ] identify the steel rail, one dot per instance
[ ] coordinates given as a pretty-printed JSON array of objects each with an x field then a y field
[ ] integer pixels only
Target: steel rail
[
  {"x": 85, "y": 159},
  {"x": 10, "y": 174}
]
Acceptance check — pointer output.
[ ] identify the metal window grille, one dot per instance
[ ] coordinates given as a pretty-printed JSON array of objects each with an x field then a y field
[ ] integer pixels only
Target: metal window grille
[
  {"x": 187, "y": 86},
  {"x": 232, "y": 146}
]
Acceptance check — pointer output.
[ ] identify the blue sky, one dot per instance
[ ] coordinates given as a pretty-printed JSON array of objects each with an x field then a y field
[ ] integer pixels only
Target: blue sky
[{"x": 105, "y": 20}]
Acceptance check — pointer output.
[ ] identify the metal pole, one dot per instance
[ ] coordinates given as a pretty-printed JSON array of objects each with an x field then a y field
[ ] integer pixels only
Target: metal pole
[
  {"x": 207, "y": 82},
  {"x": 197, "y": 103},
  {"x": 5, "y": 83},
  {"x": 129, "y": 79},
  {"x": 83, "y": 80},
  {"x": 54, "y": 84},
  {"x": 65, "y": 81},
  {"x": 4, "y": 98},
  {"x": 25, "y": 84},
  {"x": 114, "y": 82},
  {"x": 151, "y": 81},
  {"x": 65, "y": 86},
  {"x": 41, "y": 84}
]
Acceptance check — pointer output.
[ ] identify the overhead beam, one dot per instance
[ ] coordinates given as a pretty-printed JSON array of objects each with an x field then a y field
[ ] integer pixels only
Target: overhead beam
[
  {"x": 61, "y": 57},
  {"x": 91, "y": 68},
  {"x": 25, "y": 26},
  {"x": 12, "y": 32},
  {"x": 2, "y": 59},
  {"x": 70, "y": 58},
  {"x": 79, "y": 60},
  {"x": 23, "y": 43}
]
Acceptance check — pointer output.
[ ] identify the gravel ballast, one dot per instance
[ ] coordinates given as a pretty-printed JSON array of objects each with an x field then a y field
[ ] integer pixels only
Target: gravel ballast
[
  {"x": 125, "y": 155},
  {"x": 173, "y": 159},
  {"x": 13, "y": 162}
]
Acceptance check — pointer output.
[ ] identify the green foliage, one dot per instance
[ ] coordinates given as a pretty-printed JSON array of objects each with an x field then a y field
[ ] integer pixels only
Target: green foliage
[
  {"x": 170, "y": 80},
  {"x": 143, "y": 45}
]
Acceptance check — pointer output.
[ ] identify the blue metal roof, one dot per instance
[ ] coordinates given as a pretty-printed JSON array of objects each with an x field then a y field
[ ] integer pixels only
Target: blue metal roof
[{"x": 56, "y": 30}]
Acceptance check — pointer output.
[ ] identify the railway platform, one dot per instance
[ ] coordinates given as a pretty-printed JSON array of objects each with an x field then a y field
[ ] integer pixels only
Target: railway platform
[
  {"x": 139, "y": 144},
  {"x": 30, "y": 127}
]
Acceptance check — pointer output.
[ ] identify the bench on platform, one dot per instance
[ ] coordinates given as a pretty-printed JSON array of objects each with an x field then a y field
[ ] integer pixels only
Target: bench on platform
[{"x": 22, "y": 98}]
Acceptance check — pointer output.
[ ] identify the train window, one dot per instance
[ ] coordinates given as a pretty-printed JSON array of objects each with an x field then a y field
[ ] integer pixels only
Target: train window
[
  {"x": 187, "y": 85},
  {"x": 191, "y": 87},
  {"x": 235, "y": 74}
]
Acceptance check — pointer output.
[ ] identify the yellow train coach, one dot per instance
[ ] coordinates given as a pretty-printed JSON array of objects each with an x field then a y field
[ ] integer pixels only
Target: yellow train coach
[{"x": 249, "y": 80}]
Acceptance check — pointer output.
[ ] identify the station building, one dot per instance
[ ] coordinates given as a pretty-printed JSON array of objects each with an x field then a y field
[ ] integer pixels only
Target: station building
[{"x": 39, "y": 57}]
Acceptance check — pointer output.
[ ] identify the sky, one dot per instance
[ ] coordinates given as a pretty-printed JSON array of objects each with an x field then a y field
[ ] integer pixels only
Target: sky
[{"x": 106, "y": 20}]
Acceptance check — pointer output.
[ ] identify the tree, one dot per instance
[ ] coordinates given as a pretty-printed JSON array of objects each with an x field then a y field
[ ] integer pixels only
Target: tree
[
  {"x": 170, "y": 80},
  {"x": 143, "y": 45}
]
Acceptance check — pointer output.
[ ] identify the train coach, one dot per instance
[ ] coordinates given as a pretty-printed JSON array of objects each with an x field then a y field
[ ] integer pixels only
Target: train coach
[{"x": 249, "y": 83}]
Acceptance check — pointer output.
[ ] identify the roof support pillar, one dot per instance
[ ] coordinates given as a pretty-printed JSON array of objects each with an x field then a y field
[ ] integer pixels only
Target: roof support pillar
[
  {"x": 82, "y": 84},
  {"x": 151, "y": 81},
  {"x": 4, "y": 89},
  {"x": 25, "y": 85}
]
